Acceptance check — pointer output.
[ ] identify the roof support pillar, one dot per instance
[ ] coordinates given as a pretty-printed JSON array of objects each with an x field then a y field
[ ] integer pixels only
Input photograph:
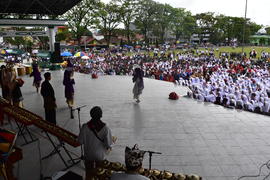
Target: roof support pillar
[{"x": 51, "y": 33}]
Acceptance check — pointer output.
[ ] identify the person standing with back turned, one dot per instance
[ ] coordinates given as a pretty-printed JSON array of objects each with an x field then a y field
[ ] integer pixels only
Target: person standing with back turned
[
  {"x": 49, "y": 99},
  {"x": 138, "y": 83},
  {"x": 97, "y": 139}
]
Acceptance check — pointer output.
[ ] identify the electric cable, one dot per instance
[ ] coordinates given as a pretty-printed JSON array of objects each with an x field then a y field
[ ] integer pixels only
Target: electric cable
[
  {"x": 266, "y": 176},
  {"x": 259, "y": 174}
]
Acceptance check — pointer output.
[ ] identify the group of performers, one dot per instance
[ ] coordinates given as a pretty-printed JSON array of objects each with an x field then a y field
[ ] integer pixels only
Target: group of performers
[
  {"x": 94, "y": 135},
  {"x": 10, "y": 85}
]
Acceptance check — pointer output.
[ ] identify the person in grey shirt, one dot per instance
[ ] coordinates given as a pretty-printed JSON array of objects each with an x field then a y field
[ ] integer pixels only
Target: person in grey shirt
[
  {"x": 96, "y": 138},
  {"x": 133, "y": 161}
]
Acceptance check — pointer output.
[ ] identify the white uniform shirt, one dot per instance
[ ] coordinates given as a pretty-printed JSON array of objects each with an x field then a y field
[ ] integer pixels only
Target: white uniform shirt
[
  {"x": 124, "y": 176},
  {"x": 94, "y": 149}
]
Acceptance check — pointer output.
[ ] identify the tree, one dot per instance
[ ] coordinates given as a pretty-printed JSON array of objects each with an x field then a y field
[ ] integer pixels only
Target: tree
[
  {"x": 19, "y": 41},
  {"x": 225, "y": 28},
  {"x": 205, "y": 22},
  {"x": 163, "y": 19},
  {"x": 220, "y": 29},
  {"x": 62, "y": 36},
  {"x": 28, "y": 46},
  {"x": 182, "y": 24},
  {"x": 262, "y": 41},
  {"x": 236, "y": 28},
  {"x": 16, "y": 41},
  {"x": 267, "y": 30},
  {"x": 252, "y": 28},
  {"x": 128, "y": 13},
  {"x": 108, "y": 19},
  {"x": 145, "y": 19},
  {"x": 43, "y": 42},
  {"x": 189, "y": 25},
  {"x": 81, "y": 17}
]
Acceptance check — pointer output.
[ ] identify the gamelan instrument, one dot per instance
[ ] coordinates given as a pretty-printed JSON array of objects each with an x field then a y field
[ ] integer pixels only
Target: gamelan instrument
[
  {"x": 27, "y": 118},
  {"x": 24, "y": 118},
  {"x": 57, "y": 131},
  {"x": 3, "y": 102},
  {"x": 106, "y": 168}
]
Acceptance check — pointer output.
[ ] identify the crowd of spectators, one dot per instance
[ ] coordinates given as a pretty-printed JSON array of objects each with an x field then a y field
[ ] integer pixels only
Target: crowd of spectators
[{"x": 242, "y": 83}]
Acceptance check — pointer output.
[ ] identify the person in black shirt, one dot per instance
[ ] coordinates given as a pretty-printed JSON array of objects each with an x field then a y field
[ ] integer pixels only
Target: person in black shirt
[
  {"x": 4, "y": 89},
  {"x": 17, "y": 97},
  {"x": 49, "y": 99}
]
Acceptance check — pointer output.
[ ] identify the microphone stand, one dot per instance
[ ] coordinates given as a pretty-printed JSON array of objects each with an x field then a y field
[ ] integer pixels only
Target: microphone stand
[
  {"x": 150, "y": 156},
  {"x": 71, "y": 113},
  {"x": 79, "y": 118},
  {"x": 79, "y": 115}
]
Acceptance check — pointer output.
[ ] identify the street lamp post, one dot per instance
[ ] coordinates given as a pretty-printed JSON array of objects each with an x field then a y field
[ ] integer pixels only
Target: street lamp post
[{"x": 244, "y": 27}]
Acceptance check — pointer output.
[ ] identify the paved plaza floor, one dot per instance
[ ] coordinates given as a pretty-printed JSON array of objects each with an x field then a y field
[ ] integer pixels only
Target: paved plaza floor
[{"x": 193, "y": 137}]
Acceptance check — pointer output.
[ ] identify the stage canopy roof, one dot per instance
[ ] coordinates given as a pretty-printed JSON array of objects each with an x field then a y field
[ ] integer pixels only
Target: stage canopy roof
[{"x": 44, "y": 7}]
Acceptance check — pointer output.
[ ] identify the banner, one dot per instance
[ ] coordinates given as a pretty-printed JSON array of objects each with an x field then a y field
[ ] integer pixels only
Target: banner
[{"x": 22, "y": 33}]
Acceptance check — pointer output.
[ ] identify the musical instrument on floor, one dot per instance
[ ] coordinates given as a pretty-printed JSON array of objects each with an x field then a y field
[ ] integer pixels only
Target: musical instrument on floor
[
  {"x": 57, "y": 131},
  {"x": 3, "y": 102},
  {"x": 8, "y": 153},
  {"x": 24, "y": 118},
  {"x": 6, "y": 169},
  {"x": 106, "y": 168},
  {"x": 20, "y": 115},
  {"x": 27, "y": 118}
]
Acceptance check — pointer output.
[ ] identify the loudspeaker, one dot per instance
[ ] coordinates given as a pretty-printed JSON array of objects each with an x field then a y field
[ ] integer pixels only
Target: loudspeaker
[
  {"x": 57, "y": 47},
  {"x": 56, "y": 57},
  {"x": 57, "y": 52}
]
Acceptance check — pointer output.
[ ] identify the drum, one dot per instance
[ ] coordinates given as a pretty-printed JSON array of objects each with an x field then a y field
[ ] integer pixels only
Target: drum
[
  {"x": 21, "y": 71},
  {"x": 28, "y": 69}
]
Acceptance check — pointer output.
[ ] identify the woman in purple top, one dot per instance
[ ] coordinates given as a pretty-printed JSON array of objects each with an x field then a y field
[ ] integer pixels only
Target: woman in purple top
[
  {"x": 68, "y": 83},
  {"x": 37, "y": 76}
]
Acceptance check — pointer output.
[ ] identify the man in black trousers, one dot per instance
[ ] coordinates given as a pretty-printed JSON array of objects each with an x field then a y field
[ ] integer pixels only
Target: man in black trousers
[{"x": 49, "y": 99}]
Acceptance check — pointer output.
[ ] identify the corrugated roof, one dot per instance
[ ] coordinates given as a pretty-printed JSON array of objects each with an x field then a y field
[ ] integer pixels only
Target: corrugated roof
[{"x": 44, "y": 7}]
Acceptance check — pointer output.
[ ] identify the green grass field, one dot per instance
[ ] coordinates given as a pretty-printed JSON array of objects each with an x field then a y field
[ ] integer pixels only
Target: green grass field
[
  {"x": 246, "y": 49},
  {"x": 228, "y": 49}
]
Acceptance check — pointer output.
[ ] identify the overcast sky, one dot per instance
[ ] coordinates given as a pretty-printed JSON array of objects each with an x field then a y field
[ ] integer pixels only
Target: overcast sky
[{"x": 258, "y": 10}]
